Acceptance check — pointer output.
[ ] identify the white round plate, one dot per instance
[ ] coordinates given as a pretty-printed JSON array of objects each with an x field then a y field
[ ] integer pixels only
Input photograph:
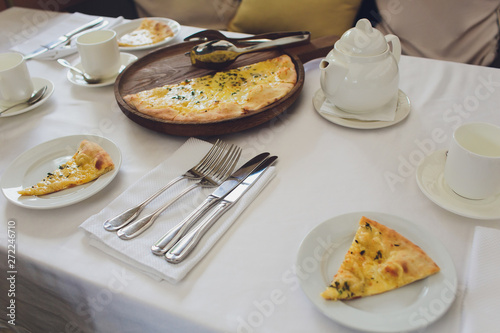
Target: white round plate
[
  {"x": 402, "y": 111},
  {"x": 128, "y": 27},
  {"x": 430, "y": 179},
  {"x": 408, "y": 308},
  {"x": 75, "y": 78},
  {"x": 38, "y": 83},
  {"x": 34, "y": 164}
]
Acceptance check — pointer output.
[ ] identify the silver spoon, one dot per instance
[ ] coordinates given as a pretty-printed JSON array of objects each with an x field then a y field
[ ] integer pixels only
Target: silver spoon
[
  {"x": 217, "y": 54},
  {"x": 89, "y": 79},
  {"x": 35, "y": 97}
]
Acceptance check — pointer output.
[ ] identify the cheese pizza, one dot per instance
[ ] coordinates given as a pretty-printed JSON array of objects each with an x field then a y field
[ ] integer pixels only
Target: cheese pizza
[
  {"x": 379, "y": 260},
  {"x": 223, "y": 95},
  {"x": 149, "y": 32},
  {"x": 89, "y": 163}
]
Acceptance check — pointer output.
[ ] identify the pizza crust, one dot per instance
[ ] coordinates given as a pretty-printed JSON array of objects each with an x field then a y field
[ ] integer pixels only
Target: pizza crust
[
  {"x": 378, "y": 260},
  {"x": 221, "y": 96},
  {"x": 259, "y": 97}
]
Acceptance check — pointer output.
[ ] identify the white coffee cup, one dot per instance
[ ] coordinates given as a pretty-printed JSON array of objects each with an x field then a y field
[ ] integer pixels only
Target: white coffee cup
[
  {"x": 16, "y": 85},
  {"x": 472, "y": 167},
  {"x": 99, "y": 53}
]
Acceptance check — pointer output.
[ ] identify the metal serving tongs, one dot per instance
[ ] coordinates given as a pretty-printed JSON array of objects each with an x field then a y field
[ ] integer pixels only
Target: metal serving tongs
[
  {"x": 209, "y": 34},
  {"x": 220, "y": 53}
]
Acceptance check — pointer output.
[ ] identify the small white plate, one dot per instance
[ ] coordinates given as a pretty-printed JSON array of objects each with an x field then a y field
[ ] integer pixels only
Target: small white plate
[
  {"x": 75, "y": 78},
  {"x": 31, "y": 166},
  {"x": 430, "y": 179},
  {"x": 408, "y": 308},
  {"x": 402, "y": 111},
  {"x": 38, "y": 83},
  {"x": 128, "y": 27}
]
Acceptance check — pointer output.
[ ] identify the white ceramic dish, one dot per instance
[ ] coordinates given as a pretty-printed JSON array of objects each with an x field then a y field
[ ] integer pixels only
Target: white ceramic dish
[
  {"x": 37, "y": 83},
  {"x": 128, "y": 27},
  {"x": 408, "y": 308},
  {"x": 77, "y": 79},
  {"x": 402, "y": 111},
  {"x": 430, "y": 179},
  {"x": 31, "y": 166}
]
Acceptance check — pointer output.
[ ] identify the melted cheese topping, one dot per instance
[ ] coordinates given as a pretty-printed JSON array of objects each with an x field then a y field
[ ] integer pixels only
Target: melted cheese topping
[
  {"x": 66, "y": 176},
  {"x": 149, "y": 32},
  {"x": 80, "y": 169},
  {"x": 378, "y": 260},
  {"x": 237, "y": 90}
]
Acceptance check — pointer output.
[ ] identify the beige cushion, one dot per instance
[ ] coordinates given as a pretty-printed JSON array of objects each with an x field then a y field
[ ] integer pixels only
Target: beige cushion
[{"x": 319, "y": 17}]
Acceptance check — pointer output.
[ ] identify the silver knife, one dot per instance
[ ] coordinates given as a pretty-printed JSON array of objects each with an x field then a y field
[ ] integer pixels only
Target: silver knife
[
  {"x": 187, "y": 243},
  {"x": 63, "y": 39},
  {"x": 173, "y": 235}
]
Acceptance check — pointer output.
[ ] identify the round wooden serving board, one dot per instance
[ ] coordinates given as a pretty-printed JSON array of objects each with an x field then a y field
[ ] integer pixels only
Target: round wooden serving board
[{"x": 170, "y": 65}]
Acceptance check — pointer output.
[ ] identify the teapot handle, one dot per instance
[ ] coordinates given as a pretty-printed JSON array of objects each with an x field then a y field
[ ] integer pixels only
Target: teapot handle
[{"x": 395, "y": 44}]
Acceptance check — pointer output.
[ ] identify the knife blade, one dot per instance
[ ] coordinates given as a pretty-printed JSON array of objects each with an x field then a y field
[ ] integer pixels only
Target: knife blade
[
  {"x": 63, "y": 39},
  {"x": 186, "y": 244},
  {"x": 173, "y": 235}
]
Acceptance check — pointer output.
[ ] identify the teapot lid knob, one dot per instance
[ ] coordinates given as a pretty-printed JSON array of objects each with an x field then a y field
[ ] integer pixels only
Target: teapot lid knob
[{"x": 362, "y": 40}]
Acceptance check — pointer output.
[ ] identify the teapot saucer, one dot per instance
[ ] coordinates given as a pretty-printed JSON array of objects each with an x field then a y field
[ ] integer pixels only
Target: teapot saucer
[{"x": 402, "y": 111}]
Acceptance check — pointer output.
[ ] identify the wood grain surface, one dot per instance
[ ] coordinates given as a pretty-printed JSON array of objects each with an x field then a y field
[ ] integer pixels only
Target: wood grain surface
[{"x": 171, "y": 65}]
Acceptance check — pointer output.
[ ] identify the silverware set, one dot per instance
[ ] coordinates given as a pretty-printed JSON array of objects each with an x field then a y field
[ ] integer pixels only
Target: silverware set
[
  {"x": 214, "y": 169},
  {"x": 213, "y": 176},
  {"x": 182, "y": 248},
  {"x": 64, "y": 38}
]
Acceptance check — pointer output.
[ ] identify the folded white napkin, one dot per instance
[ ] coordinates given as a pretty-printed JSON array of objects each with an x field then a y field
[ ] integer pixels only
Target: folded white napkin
[
  {"x": 386, "y": 113},
  {"x": 481, "y": 307},
  {"x": 137, "y": 251},
  {"x": 51, "y": 34}
]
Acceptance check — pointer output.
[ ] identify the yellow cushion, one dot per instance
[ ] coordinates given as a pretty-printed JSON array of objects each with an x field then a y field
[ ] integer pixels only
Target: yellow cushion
[{"x": 319, "y": 17}]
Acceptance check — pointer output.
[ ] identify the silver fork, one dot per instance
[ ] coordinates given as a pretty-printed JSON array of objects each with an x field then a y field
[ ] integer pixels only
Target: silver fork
[
  {"x": 223, "y": 169},
  {"x": 204, "y": 167}
]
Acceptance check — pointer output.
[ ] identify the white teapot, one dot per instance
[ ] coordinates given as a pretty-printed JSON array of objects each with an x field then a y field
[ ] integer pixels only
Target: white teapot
[{"x": 361, "y": 73}]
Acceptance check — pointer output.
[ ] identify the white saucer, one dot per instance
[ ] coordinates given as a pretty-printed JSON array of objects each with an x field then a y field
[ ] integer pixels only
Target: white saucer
[
  {"x": 430, "y": 179},
  {"x": 32, "y": 165},
  {"x": 128, "y": 27},
  {"x": 75, "y": 78},
  {"x": 38, "y": 83},
  {"x": 402, "y": 111}
]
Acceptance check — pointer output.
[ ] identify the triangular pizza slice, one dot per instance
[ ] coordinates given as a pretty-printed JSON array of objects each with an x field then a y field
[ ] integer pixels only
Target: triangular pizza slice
[
  {"x": 149, "y": 32},
  {"x": 379, "y": 260},
  {"x": 89, "y": 162}
]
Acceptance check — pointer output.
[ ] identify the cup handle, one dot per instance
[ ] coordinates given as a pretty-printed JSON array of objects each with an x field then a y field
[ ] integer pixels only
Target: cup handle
[{"x": 395, "y": 44}]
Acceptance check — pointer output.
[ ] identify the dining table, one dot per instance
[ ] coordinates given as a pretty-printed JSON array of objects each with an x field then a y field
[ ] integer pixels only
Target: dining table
[{"x": 261, "y": 273}]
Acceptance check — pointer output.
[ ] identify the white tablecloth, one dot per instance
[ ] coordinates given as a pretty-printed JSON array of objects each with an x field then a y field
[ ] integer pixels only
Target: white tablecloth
[{"x": 65, "y": 285}]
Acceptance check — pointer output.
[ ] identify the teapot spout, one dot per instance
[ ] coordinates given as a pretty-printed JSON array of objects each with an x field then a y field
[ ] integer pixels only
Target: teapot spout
[{"x": 332, "y": 74}]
